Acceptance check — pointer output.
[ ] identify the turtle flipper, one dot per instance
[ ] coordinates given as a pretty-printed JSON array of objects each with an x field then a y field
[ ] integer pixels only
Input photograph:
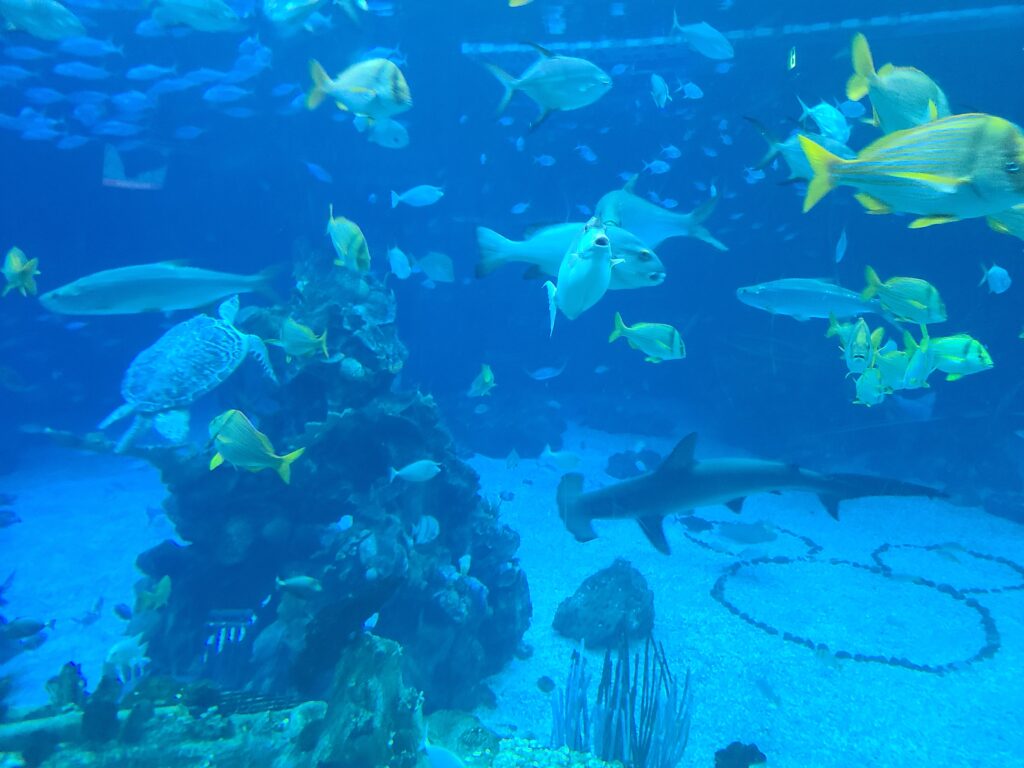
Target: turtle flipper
[
  {"x": 139, "y": 424},
  {"x": 125, "y": 409},
  {"x": 259, "y": 350},
  {"x": 172, "y": 425}
]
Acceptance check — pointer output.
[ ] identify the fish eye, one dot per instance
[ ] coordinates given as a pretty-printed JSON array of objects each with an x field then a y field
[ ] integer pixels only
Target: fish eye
[
  {"x": 645, "y": 256},
  {"x": 601, "y": 240},
  {"x": 1012, "y": 166}
]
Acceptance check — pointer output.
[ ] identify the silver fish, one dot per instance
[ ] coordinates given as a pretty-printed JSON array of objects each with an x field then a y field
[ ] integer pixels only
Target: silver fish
[
  {"x": 804, "y": 298},
  {"x": 160, "y": 287}
]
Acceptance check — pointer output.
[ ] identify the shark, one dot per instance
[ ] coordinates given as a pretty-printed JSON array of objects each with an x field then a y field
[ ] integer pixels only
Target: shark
[{"x": 682, "y": 483}]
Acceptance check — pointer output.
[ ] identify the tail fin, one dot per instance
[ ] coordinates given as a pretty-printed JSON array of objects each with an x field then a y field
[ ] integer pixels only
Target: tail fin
[
  {"x": 493, "y": 251},
  {"x": 264, "y": 282},
  {"x": 874, "y": 282},
  {"x": 863, "y": 69},
  {"x": 620, "y": 328},
  {"x": 395, "y": 199},
  {"x": 853, "y": 486},
  {"x": 773, "y": 144},
  {"x": 552, "y": 290},
  {"x": 392, "y": 474},
  {"x": 569, "y": 491},
  {"x": 833, "y": 327},
  {"x": 698, "y": 216},
  {"x": 508, "y": 82},
  {"x": 321, "y": 80},
  {"x": 284, "y": 469},
  {"x": 822, "y": 162},
  {"x": 323, "y": 344}
]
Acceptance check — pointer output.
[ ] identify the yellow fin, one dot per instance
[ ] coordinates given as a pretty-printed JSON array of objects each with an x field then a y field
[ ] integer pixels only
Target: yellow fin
[
  {"x": 933, "y": 111},
  {"x": 620, "y": 329},
  {"x": 863, "y": 69},
  {"x": 822, "y": 162},
  {"x": 929, "y": 221},
  {"x": 320, "y": 82},
  {"x": 216, "y": 461},
  {"x": 872, "y": 204},
  {"x": 874, "y": 282},
  {"x": 998, "y": 226},
  {"x": 284, "y": 469},
  {"x": 941, "y": 183}
]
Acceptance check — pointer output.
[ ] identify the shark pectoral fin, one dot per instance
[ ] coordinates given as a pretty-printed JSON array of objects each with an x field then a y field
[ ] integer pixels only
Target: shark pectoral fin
[
  {"x": 736, "y": 505},
  {"x": 831, "y": 504},
  {"x": 655, "y": 532},
  {"x": 681, "y": 459}
]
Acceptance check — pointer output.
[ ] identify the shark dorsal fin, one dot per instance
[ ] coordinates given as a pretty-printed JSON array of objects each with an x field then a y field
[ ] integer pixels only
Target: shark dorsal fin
[{"x": 681, "y": 459}]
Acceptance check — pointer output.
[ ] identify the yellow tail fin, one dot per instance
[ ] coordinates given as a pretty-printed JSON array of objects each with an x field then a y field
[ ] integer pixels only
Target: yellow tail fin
[
  {"x": 863, "y": 69},
  {"x": 320, "y": 82},
  {"x": 874, "y": 283},
  {"x": 620, "y": 328},
  {"x": 822, "y": 162},
  {"x": 323, "y": 344},
  {"x": 284, "y": 469}
]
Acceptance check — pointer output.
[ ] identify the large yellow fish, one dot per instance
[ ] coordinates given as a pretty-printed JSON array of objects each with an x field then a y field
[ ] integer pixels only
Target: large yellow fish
[
  {"x": 901, "y": 97},
  {"x": 658, "y": 341},
  {"x": 298, "y": 340},
  {"x": 349, "y": 243},
  {"x": 243, "y": 446},
  {"x": 20, "y": 273},
  {"x": 959, "y": 167},
  {"x": 908, "y": 299},
  {"x": 375, "y": 88}
]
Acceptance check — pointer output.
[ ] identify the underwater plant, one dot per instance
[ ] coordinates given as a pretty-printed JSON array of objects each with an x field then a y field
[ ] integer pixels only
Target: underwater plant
[{"x": 640, "y": 718}]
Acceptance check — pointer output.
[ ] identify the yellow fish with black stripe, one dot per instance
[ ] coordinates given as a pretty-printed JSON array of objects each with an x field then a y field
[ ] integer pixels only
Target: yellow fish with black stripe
[
  {"x": 243, "y": 446},
  {"x": 959, "y": 167},
  {"x": 375, "y": 89},
  {"x": 908, "y": 299}
]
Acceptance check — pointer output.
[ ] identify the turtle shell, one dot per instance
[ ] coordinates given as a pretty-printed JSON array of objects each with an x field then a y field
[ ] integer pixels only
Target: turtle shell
[{"x": 184, "y": 364}]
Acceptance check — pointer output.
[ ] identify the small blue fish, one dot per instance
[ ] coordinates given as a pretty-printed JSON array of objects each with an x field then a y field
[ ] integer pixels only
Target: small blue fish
[
  {"x": 89, "y": 114},
  {"x": 657, "y": 167},
  {"x": 670, "y": 203},
  {"x": 997, "y": 277},
  {"x": 132, "y": 101},
  {"x": 81, "y": 71},
  {"x": 584, "y": 209},
  {"x": 72, "y": 141},
  {"x": 692, "y": 91},
  {"x": 12, "y": 73},
  {"x": 224, "y": 94},
  {"x": 284, "y": 89},
  {"x": 545, "y": 161},
  {"x": 171, "y": 85},
  {"x": 149, "y": 72},
  {"x": 853, "y": 109},
  {"x": 87, "y": 97},
  {"x": 319, "y": 173},
  {"x": 753, "y": 175},
  {"x": 830, "y": 121},
  {"x": 671, "y": 151},
  {"x": 188, "y": 132},
  {"x": 44, "y": 96},
  {"x": 841, "y": 246},
  {"x": 116, "y": 128},
  {"x": 89, "y": 47},
  {"x": 25, "y": 53},
  {"x": 40, "y": 133},
  {"x": 586, "y": 153},
  {"x": 205, "y": 75},
  {"x": 418, "y": 196},
  {"x": 519, "y": 208}
]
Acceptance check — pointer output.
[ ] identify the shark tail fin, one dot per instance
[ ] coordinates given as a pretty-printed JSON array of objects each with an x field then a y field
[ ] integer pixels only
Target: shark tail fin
[
  {"x": 570, "y": 488},
  {"x": 854, "y": 486}
]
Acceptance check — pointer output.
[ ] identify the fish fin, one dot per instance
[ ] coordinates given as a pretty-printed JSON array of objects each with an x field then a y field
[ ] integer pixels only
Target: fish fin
[
  {"x": 542, "y": 50},
  {"x": 321, "y": 80},
  {"x": 874, "y": 282},
  {"x": 493, "y": 249},
  {"x": 822, "y": 162},
  {"x": 323, "y": 344},
  {"x": 872, "y": 204},
  {"x": 264, "y": 284},
  {"x": 858, "y": 85},
  {"x": 947, "y": 184},
  {"x": 552, "y": 290},
  {"x": 831, "y": 504},
  {"x": 929, "y": 221},
  {"x": 544, "y": 115},
  {"x": 655, "y": 360},
  {"x": 654, "y": 529},
  {"x": 619, "y": 330},
  {"x": 773, "y": 144},
  {"x": 736, "y": 505},
  {"x": 570, "y": 488},
  {"x": 681, "y": 459},
  {"x": 532, "y": 272},
  {"x": 395, "y": 199},
  {"x": 284, "y": 468},
  {"x": 933, "y": 111},
  {"x": 216, "y": 461},
  {"x": 954, "y": 376},
  {"x": 508, "y": 82},
  {"x": 630, "y": 185}
]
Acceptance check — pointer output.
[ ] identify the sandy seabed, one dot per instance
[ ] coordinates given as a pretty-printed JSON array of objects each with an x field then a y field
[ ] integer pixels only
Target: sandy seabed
[{"x": 85, "y": 521}]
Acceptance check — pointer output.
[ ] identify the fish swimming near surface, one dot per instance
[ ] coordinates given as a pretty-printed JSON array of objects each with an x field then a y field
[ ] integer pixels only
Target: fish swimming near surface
[
  {"x": 243, "y": 446},
  {"x": 160, "y": 287},
  {"x": 375, "y": 88},
  {"x": 555, "y": 83},
  {"x": 901, "y": 97},
  {"x": 959, "y": 167},
  {"x": 652, "y": 223},
  {"x": 682, "y": 483},
  {"x": 805, "y": 298},
  {"x": 545, "y": 248}
]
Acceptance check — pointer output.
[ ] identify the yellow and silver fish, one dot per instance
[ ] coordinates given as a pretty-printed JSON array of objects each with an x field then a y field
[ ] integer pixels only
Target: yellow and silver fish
[
  {"x": 483, "y": 383},
  {"x": 243, "y": 446},
  {"x": 298, "y": 340},
  {"x": 908, "y": 299},
  {"x": 959, "y": 355},
  {"x": 20, "y": 273},
  {"x": 375, "y": 88},
  {"x": 959, "y": 167},
  {"x": 901, "y": 97},
  {"x": 349, "y": 242},
  {"x": 658, "y": 341}
]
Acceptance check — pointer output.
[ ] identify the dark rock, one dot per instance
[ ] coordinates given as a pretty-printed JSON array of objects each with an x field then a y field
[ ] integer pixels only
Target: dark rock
[
  {"x": 67, "y": 687},
  {"x": 545, "y": 684},
  {"x": 99, "y": 715},
  {"x": 738, "y": 755},
  {"x": 134, "y": 727},
  {"x": 611, "y": 601},
  {"x": 632, "y": 463}
]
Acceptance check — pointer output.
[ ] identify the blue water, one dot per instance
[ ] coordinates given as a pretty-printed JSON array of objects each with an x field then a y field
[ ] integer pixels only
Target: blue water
[{"x": 241, "y": 198}]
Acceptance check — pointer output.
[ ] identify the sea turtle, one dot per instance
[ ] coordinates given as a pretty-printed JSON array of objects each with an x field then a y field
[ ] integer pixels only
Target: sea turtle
[{"x": 188, "y": 361}]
